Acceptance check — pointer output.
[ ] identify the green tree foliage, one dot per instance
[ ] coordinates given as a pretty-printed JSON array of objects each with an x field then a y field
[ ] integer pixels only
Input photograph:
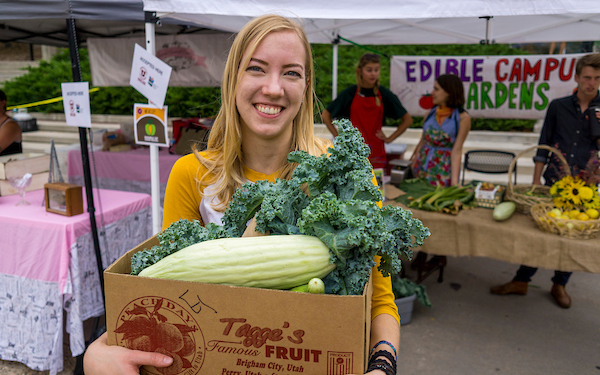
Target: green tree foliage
[{"x": 43, "y": 82}]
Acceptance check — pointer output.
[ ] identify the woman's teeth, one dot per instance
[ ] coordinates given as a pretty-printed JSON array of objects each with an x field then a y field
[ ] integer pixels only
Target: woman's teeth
[{"x": 268, "y": 110}]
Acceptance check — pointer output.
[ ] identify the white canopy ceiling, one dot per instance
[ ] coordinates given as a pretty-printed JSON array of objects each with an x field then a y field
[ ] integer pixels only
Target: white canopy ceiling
[{"x": 403, "y": 22}]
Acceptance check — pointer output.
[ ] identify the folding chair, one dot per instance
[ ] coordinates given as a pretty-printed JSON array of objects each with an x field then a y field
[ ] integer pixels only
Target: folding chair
[{"x": 488, "y": 161}]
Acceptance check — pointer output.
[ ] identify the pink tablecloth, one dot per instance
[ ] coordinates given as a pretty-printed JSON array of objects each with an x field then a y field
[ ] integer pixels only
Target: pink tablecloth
[
  {"x": 133, "y": 165},
  {"x": 48, "y": 265},
  {"x": 34, "y": 234}
]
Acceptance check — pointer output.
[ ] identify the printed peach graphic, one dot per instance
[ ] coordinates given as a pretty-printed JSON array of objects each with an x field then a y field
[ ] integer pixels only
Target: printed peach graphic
[
  {"x": 154, "y": 324},
  {"x": 167, "y": 336}
]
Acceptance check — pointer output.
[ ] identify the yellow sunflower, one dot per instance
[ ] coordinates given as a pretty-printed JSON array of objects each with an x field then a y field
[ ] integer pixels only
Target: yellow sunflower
[
  {"x": 572, "y": 191},
  {"x": 593, "y": 203},
  {"x": 561, "y": 203}
]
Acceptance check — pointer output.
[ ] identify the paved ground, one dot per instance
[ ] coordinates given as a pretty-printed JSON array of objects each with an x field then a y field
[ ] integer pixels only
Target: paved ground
[{"x": 471, "y": 332}]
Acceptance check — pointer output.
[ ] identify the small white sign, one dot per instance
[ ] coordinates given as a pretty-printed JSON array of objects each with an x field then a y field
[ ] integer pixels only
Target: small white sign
[
  {"x": 150, "y": 76},
  {"x": 76, "y": 101}
]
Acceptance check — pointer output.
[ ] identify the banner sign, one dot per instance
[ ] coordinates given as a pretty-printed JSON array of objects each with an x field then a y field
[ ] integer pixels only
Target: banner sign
[
  {"x": 150, "y": 125},
  {"x": 197, "y": 60},
  {"x": 519, "y": 86},
  {"x": 76, "y": 103}
]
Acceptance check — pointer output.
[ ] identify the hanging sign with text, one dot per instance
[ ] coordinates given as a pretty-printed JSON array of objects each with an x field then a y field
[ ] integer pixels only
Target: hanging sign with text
[
  {"x": 150, "y": 76},
  {"x": 519, "y": 86},
  {"x": 150, "y": 125},
  {"x": 76, "y": 103}
]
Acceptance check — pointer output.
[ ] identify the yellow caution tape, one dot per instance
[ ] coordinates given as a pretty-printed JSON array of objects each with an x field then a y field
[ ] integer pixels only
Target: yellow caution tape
[{"x": 47, "y": 101}]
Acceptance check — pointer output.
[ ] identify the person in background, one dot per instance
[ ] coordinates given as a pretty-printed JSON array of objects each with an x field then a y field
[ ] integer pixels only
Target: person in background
[
  {"x": 566, "y": 128},
  {"x": 267, "y": 112},
  {"x": 438, "y": 155},
  {"x": 367, "y": 105},
  {"x": 10, "y": 131}
]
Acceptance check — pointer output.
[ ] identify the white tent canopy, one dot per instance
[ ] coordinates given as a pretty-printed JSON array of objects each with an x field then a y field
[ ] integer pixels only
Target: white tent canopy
[
  {"x": 43, "y": 22},
  {"x": 404, "y": 22},
  {"x": 381, "y": 22}
]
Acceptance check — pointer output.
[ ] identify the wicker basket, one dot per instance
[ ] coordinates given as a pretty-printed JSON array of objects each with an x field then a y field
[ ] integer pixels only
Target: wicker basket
[
  {"x": 517, "y": 193},
  {"x": 578, "y": 229}
]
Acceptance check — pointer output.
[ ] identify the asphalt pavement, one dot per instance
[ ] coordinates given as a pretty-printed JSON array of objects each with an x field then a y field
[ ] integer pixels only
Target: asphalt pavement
[{"x": 469, "y": 331}]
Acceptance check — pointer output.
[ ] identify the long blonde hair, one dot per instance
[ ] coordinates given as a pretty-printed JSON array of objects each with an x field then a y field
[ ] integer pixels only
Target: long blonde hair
[
  {"x": 365, "y": 59},
  {"x": 224, "y": 148}
]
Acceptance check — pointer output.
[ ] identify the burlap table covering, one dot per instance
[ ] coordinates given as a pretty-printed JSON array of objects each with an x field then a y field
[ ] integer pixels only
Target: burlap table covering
[{"x": 518, "y": 240}]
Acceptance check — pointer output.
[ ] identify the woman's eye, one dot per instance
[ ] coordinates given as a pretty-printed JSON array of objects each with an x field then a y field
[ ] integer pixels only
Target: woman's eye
[
  {"x": 254, "y": 69},
  {"x": 295, "y": 74}
]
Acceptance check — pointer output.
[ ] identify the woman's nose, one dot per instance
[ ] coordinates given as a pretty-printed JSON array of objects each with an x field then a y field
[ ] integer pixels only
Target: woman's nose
[{"x": 272, "y": 86}]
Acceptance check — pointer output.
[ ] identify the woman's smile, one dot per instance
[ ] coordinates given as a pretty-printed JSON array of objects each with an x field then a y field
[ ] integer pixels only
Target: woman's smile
[{"x": 268, "y": 109}]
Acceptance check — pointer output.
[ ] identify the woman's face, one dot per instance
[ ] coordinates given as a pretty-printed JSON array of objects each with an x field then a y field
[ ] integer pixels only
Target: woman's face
[
  {"x": 440, "y": 97},
  {"x": 370, "y": 74},
  {"x": 272, "y": 87}
]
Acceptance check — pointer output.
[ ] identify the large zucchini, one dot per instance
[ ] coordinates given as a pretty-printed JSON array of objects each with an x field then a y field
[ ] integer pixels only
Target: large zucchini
[{"x": 274, "y": 262}]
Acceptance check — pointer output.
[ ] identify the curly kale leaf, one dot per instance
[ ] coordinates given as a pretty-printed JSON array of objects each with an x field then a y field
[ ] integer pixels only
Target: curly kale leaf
[
  {"x": 356, "y": 231},
  {"x": 280, "y": 210},
  {"x": 178, "y": 235},
  {"x": 352, "y": 232},
  {"x": 276, "y": 206},
  {"x": 244, "y": 204},
  {"x": 345, "y": 171}
]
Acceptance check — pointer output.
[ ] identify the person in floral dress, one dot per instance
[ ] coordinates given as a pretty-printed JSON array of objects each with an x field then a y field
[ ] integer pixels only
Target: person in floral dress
[{"x": 438, "y": 155}]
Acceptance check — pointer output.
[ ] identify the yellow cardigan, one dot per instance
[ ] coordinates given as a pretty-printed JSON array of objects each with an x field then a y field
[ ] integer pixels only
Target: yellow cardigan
[{"x": 183, "y": 198}]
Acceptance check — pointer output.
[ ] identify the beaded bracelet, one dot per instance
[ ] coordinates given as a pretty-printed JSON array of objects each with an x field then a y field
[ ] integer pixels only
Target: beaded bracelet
[
  {"x": 383, "y": 365},
  {"x": 386, "y": 354},
  {"x": 388, "y": 344}
]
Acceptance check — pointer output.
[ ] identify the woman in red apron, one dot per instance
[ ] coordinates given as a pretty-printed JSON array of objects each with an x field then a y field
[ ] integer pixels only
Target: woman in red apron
[{"x": 367, "y": 104}]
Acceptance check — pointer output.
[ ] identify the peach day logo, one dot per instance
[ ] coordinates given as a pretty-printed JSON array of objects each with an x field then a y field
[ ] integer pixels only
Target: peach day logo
[{"x": 156, "y": 324}]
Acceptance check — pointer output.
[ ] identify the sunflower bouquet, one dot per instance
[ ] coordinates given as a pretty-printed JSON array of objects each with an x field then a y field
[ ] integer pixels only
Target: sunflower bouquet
[
  {"x": 573, "y": 192},
  {"x": 574, "y": 211}
]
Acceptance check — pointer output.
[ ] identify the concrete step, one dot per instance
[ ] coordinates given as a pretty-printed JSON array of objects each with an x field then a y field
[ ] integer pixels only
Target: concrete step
[
  {"x": 61, "y": 126},
  {"x": 12, "y": 69},
  {"x": 41, "y": 136}
]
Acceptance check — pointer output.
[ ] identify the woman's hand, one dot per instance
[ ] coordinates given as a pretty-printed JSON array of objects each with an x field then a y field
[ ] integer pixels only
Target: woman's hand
[
  {"x": 100, "y": 358},
  {"x": 381, "y": 135}
]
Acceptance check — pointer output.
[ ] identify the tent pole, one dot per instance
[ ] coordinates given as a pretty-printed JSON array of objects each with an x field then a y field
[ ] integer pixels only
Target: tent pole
[
  {"x": 150, "y": 18},
  {"x": 487, "y": 30},
  {"x": 76, "y": 72}
]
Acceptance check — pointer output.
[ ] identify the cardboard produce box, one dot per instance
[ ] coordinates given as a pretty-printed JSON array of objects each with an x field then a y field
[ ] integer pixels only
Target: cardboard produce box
[{"x": 219, "y": 329}]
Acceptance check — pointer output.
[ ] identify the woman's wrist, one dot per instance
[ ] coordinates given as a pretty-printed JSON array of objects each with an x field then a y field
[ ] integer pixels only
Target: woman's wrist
[{"x": 381, "y": 358}]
